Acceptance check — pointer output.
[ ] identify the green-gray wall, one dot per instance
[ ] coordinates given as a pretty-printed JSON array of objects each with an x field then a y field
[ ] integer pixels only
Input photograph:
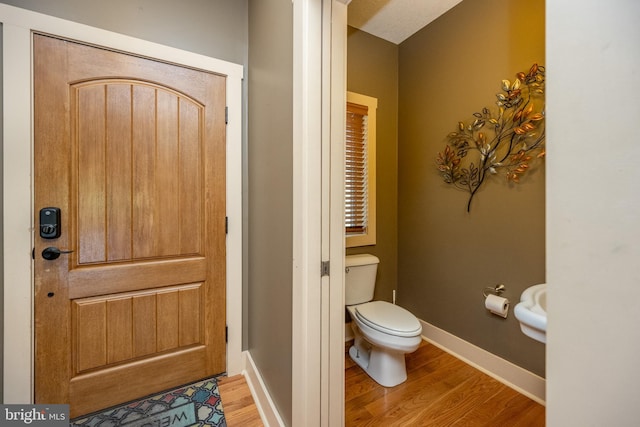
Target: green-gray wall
[
  {"x": 270, "y": 195},
  {"x": 225, "y": 29},
  {"x": 220, "y": 29},
  {"x": 372, "y": 70},
  {"x": 438, "y": 256},
  {"x": 215, "y": 28},
  {"x": 446, "y": 256}
]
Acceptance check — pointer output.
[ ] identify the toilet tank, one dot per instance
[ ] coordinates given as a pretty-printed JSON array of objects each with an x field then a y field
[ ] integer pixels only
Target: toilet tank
[{"x": 360, "y": 278}]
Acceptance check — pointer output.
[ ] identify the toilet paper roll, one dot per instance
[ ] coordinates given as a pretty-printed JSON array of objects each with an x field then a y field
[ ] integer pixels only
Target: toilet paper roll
[{"x": 497, "y": 305}]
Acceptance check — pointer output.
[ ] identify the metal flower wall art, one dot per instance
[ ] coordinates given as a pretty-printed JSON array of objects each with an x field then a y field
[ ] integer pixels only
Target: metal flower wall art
[{"x": 505, "y": 142}]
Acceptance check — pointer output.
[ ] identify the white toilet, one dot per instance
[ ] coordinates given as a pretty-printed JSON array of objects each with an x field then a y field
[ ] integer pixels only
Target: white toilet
[{"x": 384, "y": 332}]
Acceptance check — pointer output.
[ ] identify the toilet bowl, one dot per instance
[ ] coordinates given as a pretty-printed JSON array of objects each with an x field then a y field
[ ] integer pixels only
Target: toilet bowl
[
  {"x": 381, "y": 343},
  {"x": 384, "y": 332}
]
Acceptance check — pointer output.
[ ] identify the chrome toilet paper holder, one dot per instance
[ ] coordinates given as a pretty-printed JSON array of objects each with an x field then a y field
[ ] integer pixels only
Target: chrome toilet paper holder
[{"x": 496, "y": 290}]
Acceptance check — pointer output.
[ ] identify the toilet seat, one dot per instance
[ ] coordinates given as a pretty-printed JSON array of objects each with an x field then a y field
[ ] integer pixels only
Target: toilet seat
[{"x": 388, "y": 318}]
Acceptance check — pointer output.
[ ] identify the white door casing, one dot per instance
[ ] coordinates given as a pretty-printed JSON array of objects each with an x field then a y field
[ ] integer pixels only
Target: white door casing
[
  {"x": 18, "y": 25},
  {"x": 320, "y": 38}
]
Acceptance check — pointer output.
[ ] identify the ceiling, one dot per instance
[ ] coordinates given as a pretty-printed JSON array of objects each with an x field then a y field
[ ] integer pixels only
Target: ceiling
[{"x": 395, "y": 20}]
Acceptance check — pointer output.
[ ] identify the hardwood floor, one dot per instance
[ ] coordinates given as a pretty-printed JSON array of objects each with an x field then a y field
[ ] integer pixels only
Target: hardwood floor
[
  {"x": 440, "y": 391},
  {"x": 238, "y": 405}
]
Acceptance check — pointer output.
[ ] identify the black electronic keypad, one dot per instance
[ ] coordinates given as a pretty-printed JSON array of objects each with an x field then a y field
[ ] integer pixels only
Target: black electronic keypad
[{"x": 50, "y": 223}]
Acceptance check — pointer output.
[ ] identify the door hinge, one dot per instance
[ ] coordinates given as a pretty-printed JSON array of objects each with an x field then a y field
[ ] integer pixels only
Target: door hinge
[
  {"x": 226, "y": 115},
  {"x": 226, "y": 225},
  {"x": 226, "y": 334},
  {"x": 324, "y": 268}
]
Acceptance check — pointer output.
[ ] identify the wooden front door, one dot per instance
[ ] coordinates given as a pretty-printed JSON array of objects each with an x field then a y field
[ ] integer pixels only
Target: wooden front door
[{"x": 132, "y": 152}]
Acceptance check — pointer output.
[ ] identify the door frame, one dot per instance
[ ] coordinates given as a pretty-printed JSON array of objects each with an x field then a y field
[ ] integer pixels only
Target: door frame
[
  {"x": 319, "y": 103},
  {"x": 17, "y": 27}
]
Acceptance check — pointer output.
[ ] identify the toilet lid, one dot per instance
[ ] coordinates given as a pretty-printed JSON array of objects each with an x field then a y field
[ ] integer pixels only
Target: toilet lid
[{"x": 389, "y": 318}]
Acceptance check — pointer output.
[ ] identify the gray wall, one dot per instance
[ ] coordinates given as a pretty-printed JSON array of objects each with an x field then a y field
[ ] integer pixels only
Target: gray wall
[
  {"x": 270, "y": 195},
  {"x": 367, "y": 53},
  {"x": 449, "y": 70},
  {"x": 215, "y": 28},
  {"x": 224, "y": 29}
]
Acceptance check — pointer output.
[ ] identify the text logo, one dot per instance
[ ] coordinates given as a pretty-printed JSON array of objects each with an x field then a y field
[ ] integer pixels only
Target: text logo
[{"x": 34, "y": 415}]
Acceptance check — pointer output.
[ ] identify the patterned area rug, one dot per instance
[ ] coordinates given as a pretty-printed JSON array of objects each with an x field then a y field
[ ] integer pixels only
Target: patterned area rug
[{"x": 197, "y": 404}]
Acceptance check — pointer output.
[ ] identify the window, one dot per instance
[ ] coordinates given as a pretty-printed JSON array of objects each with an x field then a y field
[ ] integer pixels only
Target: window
[{"x": 360, "y": 170}]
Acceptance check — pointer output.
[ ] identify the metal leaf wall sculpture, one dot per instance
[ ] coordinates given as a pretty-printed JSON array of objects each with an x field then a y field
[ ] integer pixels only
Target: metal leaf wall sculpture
[{"x": 504, "y": 142}]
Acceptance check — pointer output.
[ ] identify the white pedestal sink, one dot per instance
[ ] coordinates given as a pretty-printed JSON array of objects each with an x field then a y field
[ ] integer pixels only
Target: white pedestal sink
[{"x": 531, "y": 312}]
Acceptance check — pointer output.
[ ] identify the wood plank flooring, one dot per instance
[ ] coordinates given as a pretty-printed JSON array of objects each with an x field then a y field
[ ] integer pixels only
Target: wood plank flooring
[
  {"x": 440, "y": 391},
  {"x": 239, "y": 408}
]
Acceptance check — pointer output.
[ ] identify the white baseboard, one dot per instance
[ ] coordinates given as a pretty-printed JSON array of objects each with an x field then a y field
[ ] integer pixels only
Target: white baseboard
[
  {"x": 519, "y": 379},
  {"x": 266, "y": 407}
]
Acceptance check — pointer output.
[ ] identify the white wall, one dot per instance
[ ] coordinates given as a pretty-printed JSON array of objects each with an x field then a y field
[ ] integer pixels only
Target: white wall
[{"x": 593, "y": 213}]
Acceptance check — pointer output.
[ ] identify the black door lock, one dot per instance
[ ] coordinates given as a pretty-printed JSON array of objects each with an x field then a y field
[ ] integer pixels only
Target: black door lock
[
  {"x": 50, "y": 223},
  {"x": 52, "y": 253}
]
